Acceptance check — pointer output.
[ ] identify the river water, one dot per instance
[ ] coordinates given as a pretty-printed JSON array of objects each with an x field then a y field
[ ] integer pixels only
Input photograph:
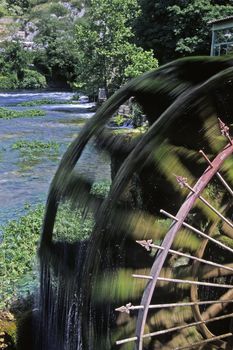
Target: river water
[{"x": 25, "y": 179}]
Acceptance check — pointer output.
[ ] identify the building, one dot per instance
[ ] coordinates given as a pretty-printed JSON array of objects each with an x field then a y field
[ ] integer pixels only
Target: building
[{"x": 222, "y": 36}]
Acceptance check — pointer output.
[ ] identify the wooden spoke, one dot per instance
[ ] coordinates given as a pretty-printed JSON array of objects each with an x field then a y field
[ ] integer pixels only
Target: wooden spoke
[
  {"x": 147, "y": 244},
  {"x": 128, "y": 307},
  {"x": 203, "y": 342},
  {"x": 211, "y": 269},
  {"x": 174, "y": 329},
  {"x": 225, "y": 184},
  {"x": 176, "y": 280},
  {"x": 202, "y": 234}
]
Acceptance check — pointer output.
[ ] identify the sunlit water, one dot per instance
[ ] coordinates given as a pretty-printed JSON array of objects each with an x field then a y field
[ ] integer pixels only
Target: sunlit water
[{"x": 26, "y": 179}]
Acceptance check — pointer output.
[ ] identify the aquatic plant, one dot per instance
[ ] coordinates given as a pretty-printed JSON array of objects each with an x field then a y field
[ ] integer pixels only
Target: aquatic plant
[
  {"x": 35, "y": 146},
  {"x": 18, "y": 261},
  {"x": 101, "y": 188},
  {"x": 40, "y": 102},
  {"x": 32, "y": 153},
  {"x": 6, "y": 113},
  {"x": 18, "y": 256}
]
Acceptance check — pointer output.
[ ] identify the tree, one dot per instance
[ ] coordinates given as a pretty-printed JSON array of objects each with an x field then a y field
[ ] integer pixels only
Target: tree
[
  {"x": 16, "y": 59},
  {"x": 57, "y": 55},
  {"x": 176, "y": 28},
  {"x": 104, "y": 41},
  {"x": 17, "y": 7}
]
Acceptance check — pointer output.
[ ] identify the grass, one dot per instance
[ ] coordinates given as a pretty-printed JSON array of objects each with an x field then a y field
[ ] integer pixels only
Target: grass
[{"x": 6, "y": 113}]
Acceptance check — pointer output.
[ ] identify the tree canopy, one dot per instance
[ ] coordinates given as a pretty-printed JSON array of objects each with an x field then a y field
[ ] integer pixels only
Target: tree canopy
[
  {"x": 113, "y": 40},
  {"x": 104, "y": 39},
  {"x": 177, "y": 28}
]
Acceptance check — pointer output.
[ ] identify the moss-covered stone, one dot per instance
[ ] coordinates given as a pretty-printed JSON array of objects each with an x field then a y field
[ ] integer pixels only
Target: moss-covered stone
[{"x": 7, "y": 331}]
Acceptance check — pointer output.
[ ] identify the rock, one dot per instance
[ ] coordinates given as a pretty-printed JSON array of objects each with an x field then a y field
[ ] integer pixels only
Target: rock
[{"x": 7, "y": 330}]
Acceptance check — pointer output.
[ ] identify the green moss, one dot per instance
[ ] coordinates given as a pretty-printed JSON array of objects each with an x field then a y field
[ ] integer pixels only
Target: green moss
[
  {"x": 7, "y": 326},
  {"x": 6, "y": 113}
]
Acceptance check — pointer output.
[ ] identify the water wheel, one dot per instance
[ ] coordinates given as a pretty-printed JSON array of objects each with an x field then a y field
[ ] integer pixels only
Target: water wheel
[
  {"x": 178, "y": 102},
  {"x": 211, "y": 275}
]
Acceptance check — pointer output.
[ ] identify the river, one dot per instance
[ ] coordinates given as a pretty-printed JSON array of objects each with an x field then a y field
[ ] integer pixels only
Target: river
[{"x": 25, "y": 179}]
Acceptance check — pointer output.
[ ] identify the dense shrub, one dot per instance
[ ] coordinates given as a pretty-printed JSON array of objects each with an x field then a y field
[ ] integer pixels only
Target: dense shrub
[
  {"x": 3, "y": 10},
  {"x": 8, "y": 82},
  {"x": 58, "y": 9},
  {"x": 32, "y": 80}
]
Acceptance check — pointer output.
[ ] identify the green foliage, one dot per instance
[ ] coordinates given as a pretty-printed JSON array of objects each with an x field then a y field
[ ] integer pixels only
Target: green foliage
[
  {"x": 58, "y": 57},
  {"x": 19, "y": 245},
  {"x": 14, "y": 59},
  {"x": 8, "y": 82},
  {"x": 6, "y": 113},
  {"x": 14, "y": 72},
  {"x": 140, "y": 62},
  {"x": 71, "y": 226},
  {"x": 40, "y": 102},
  {"x": 101, "y": 188},
  {"x": 119, "y": 120},
  {"x": 31, "y": 152},
  {"x": 58, "y": 9},
  {"x": 3, "y": 8},
  {"x": 195, "y": 39},
  {"x": 177, "y": 28},
  {"x": 36, "y": 146},
  {"x": 32, "y": 80},
  {"x": 104, "y": 43},
  {"x": 18, "y": 251},
  {"x": 20, "y": 3}
]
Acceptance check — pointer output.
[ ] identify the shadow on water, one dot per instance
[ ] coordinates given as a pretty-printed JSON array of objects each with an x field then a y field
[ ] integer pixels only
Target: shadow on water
[{"x": 82, "y": 283}]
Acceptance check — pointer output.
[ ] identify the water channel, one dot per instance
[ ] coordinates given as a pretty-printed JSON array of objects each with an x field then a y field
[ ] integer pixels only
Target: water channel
[{"x": 24, "y": 179}]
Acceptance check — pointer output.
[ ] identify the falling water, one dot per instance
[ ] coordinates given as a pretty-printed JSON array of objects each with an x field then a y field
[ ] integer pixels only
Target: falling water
[{"x": 61, "y": 297}]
